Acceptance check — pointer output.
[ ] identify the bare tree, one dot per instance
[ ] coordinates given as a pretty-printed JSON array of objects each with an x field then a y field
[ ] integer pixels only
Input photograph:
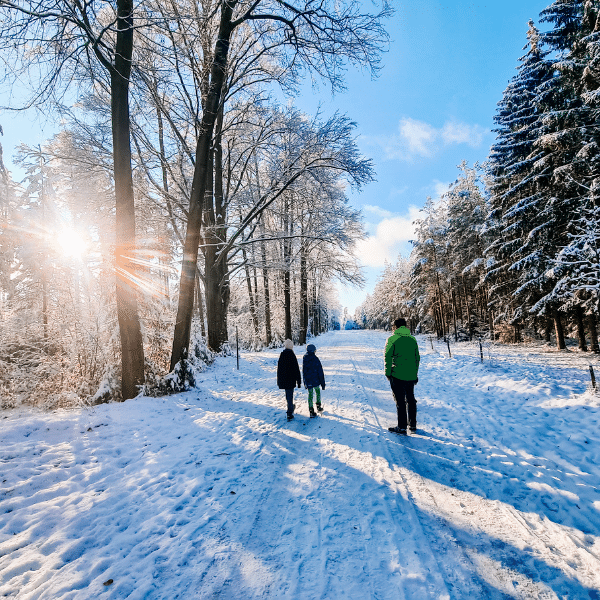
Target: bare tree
[
  {"x": 312, "y": 35},
  {"x": 301, "y": 155},
  {"x": 60, "y": 42}
]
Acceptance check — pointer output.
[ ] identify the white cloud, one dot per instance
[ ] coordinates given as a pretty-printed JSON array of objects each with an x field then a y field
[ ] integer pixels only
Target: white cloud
[
  {"x": 454, "y": 132},
  {"x": 419, "y": 136},
  {"x": 377, "y": 211},
  {"x": 420, "y": 139},
  {"x": 391, "y": 236},
  {"x": 440, "y": 188}
]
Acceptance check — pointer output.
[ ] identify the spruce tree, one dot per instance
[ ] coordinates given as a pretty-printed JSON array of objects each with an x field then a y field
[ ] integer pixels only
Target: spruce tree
[
  {"x": 517, "y": 177},
  {"x": 571, "y": 139},
  {"x": 577, "y": 266}
]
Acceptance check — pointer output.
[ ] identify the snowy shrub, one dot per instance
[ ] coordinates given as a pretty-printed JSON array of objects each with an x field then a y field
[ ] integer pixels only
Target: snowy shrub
[
  {"x": 184, "y": 375},
  {"x": 110, "y": 386},
  {"x": 62, "y": 399},
  {"x": 158, "y": 336},
  {"x": 180, "y": 379},
  {"x": 7, "y": 397}
]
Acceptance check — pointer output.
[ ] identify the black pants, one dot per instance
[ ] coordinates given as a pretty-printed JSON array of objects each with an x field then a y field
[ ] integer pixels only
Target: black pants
[
  {"x": 404, "y": 395},
  {"x": 289, "y": 396}
]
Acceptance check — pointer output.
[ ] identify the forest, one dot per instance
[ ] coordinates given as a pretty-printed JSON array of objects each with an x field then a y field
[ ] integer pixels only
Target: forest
[
  {"x": 512, "y": 250},
  {"x": 185, "y": 200},
  {"x": 186, "y": 204}
]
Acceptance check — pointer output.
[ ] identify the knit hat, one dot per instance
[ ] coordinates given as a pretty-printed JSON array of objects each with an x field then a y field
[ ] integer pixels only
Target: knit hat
[
  {"x": 288, "y": 344},
  {"x": 310, "y": 348}
]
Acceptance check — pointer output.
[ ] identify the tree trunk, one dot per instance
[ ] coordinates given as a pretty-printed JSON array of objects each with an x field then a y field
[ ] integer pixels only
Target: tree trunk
[
  {"x": 454, "y": 310},
  {"x": 215, "y": 259},
  {"x": 43, "y": 257},
  {"x": 314, "y": 318},
  {"x": 183, "y": 321},
  {"x": 593, "y": 334},
  {"x": 580, "y": 328},
  {"x": 256, "y": 299},
  {"x": 448, "y": 317},
  {"x": 45, "y": 309},
  {"x": 287, "y": 301},
  {"x": 439, "y": 320},
  {"x": 517, "y": 333},
  {"x": 560, "y": 336},
  {"x": 217, "y": 295},
  {"x": 486, "y": 300},
  {"x": 469, "y": 323},
  {"x": 303, "y": 296},
  {"x": 547, "y": 329},
  {"x": 132, "y": 351},
  {"x": 265, "y": 272},
  {"x": 251, "y": 296},
  {"x": 200, "y": 304},
  {"x": 287, "y": 260},
  {"x": 161, "y": 148}
]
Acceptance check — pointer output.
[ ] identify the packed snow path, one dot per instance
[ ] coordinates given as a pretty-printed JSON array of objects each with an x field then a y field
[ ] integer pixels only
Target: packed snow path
[{"x": 212, "y": 494}]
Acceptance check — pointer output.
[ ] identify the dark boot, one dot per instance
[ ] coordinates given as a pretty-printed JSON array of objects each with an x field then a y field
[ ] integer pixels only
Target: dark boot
[{"x": 397, "y": 430}]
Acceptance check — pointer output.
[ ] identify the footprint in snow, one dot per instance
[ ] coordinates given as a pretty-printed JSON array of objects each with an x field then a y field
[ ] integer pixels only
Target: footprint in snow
[{"x": 550, "y": 504}]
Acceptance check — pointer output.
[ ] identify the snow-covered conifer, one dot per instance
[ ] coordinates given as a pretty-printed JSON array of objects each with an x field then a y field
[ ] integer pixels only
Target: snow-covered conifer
[{"x": 518, "y": 193}]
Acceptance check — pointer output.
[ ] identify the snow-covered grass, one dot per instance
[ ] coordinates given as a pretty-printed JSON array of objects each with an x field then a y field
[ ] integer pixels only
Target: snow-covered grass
[{"x": 213, "y": 494}]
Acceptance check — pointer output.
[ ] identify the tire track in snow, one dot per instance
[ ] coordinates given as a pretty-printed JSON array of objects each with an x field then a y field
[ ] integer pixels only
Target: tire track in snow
[
  {"x": 450, "y": 560},
  {"x": 330, "y": 521},
  {"x": 407, "y": 552}
]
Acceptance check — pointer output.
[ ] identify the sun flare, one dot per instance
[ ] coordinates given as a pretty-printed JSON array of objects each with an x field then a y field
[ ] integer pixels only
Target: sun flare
[{"x": 71, "y": 243}]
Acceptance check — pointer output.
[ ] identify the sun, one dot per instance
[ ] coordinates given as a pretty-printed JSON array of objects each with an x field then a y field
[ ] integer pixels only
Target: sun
[{"x": 71, "y": 243}]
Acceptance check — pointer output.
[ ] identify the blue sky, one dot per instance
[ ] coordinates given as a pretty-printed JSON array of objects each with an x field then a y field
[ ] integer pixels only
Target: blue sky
[{"x": 430, "y": 108}]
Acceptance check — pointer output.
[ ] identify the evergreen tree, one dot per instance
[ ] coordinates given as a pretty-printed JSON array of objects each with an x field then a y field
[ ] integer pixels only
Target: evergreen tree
[
  {"x": 517, "y": 182},
  {"x": 571, "y": 140}
]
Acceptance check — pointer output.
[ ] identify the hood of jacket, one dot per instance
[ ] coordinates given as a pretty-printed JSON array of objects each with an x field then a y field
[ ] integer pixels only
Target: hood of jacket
[{"x": 403, "y": 331}]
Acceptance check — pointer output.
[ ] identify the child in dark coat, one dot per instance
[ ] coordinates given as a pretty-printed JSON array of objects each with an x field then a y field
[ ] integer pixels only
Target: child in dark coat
[
  {"x": 312, "y": 370},
  {"x": 288, "y": 375}
]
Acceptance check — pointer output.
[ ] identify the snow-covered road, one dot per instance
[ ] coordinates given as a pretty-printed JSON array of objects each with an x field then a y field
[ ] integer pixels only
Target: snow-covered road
[{"x": 213, "y": 494}]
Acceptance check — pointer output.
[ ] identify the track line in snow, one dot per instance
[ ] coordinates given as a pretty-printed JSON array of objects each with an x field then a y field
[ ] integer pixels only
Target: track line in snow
[{"x": 453, "y": 566}]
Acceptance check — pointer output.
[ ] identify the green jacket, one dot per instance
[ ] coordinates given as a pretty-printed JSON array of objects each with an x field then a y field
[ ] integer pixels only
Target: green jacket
[{"x": 402, "y": 355}]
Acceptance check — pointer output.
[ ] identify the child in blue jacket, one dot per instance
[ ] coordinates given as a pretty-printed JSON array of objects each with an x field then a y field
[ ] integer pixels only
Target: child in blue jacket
[{"x": 312, "y": 372}]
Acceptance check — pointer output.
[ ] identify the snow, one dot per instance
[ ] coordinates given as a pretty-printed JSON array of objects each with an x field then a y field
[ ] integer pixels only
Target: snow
[{"x": 213, "y": 494}]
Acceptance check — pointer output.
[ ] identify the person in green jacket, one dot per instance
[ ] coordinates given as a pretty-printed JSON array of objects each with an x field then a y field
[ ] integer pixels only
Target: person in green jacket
[{"x": 402, "y": 368}]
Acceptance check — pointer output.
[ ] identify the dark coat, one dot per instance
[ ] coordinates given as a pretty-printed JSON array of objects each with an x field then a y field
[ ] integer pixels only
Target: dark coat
[
  {"x": 312, "y": 370},
  {"x": 288, "y": 371}
]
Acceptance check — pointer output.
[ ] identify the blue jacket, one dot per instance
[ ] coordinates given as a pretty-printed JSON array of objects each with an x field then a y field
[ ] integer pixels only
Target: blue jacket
[{"x": 312, "y": 370}]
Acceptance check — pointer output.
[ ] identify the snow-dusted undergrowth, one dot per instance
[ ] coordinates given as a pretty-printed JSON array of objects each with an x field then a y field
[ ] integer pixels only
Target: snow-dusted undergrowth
[{"x": 212, "y": 494}]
